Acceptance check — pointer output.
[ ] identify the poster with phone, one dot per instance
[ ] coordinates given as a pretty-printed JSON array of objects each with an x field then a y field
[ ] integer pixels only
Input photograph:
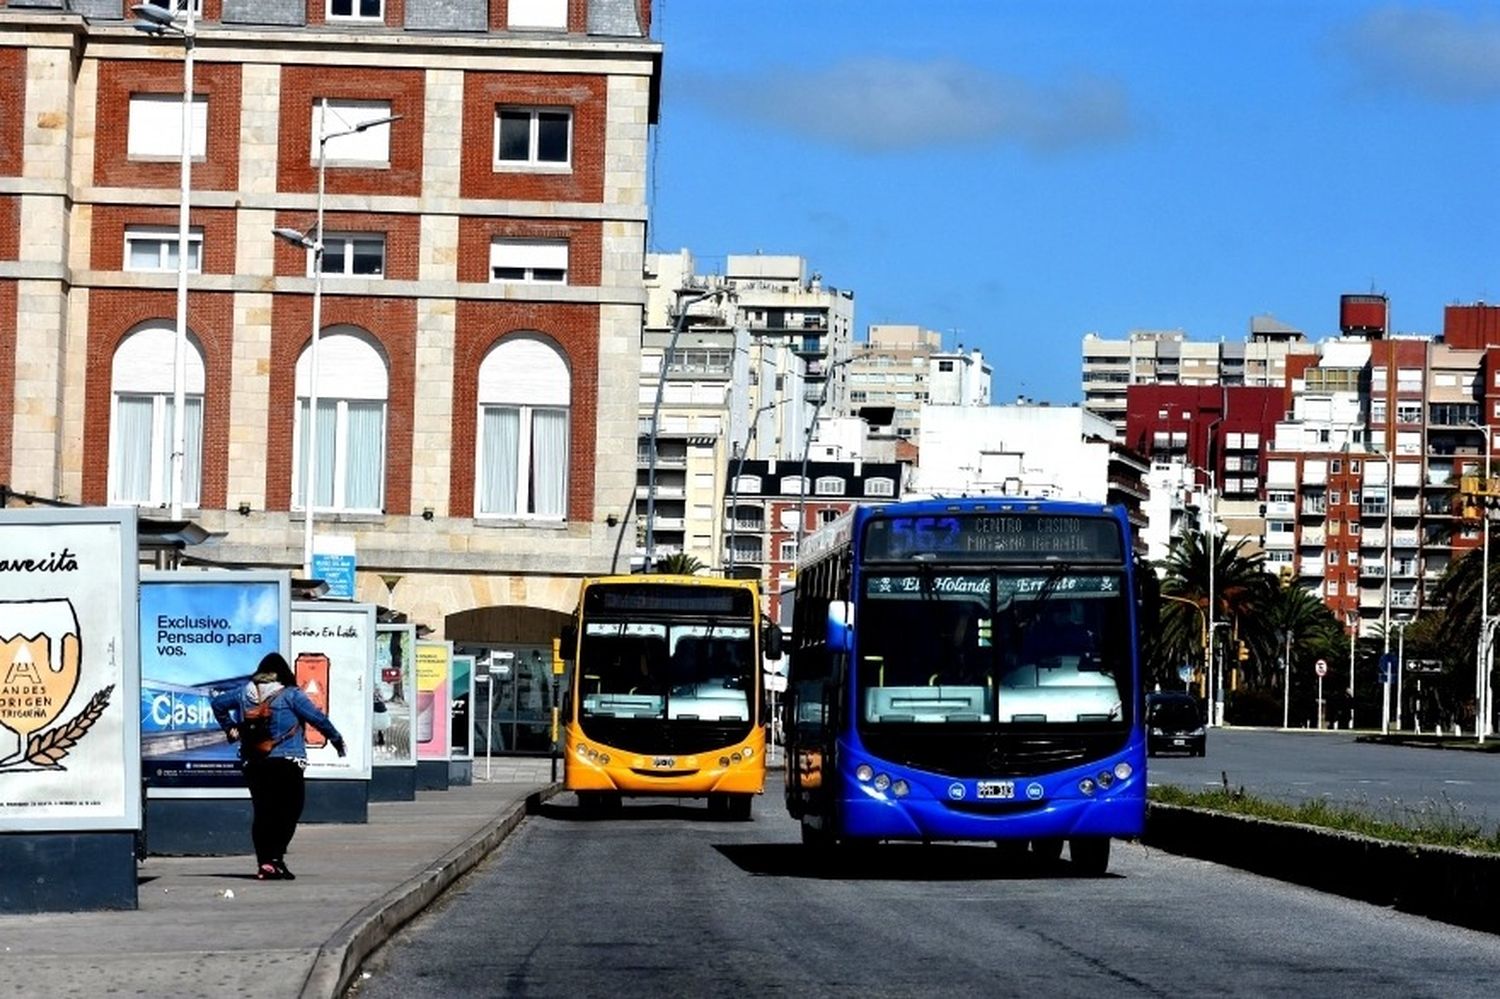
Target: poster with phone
[
  {"x": 394, "y": 702},
  {"x": 434, "y": 665},
  {"x": 69, "y": 667},
  {"x": 201, "y": 633},
  {"x": 333, "y": 655},
  {"x": 462, "y": 714}
]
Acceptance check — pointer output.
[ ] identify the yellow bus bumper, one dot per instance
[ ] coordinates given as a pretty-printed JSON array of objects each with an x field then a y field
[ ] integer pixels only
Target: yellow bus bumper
[{"x": 735, "y": 769}]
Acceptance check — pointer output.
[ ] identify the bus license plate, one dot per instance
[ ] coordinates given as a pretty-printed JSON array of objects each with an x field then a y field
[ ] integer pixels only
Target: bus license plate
[{"x": 996, "y": 789}]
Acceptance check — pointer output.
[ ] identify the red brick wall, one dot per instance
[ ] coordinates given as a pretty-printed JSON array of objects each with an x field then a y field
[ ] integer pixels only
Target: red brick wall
[
  {"x": 118, "y": 79},
  {"x": 395, "y": 13},
  {"x": 393, "y": 323},
  {"x": 107, "y": 242},
  {"x": 10, "y": 227},
  {"x": 585, "y": 244},
  {"x": 303, "y": 86},
  {"x": 484, "y": 92},
  {"x": 8, "y": 326},
  {"x": 114, "y": 312},
  {"x": 575, "y": 330},
  {"x": 12, "y": 110},
  {"x": 402, "y": 241}
]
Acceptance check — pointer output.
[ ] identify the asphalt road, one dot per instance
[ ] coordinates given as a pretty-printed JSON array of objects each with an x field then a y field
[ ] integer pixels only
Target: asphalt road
[
  {"x": 661, "y": 901},
  {"x": 1401, "y": 783}
]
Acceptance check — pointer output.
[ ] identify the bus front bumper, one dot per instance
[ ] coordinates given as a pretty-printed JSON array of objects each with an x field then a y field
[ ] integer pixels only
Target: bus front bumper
[{"x": 738, "y": 769}]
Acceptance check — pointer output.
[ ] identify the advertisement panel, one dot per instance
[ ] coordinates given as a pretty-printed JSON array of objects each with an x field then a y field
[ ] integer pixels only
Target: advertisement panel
[
  {"x": 333, "y": 654},
  {"x": 201, "y": 633},
  {"x": 395, "y": 708},
  {"x": 434, "y": 663},
  {"x": 461, "y": 739},
  {"x": 69, "y": 748}
]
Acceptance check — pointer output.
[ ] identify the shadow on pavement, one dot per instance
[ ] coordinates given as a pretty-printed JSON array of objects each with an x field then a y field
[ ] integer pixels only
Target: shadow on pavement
[{"x": 895, "y": 862}]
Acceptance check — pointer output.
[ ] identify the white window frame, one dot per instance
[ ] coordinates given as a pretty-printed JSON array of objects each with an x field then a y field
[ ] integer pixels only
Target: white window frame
[
  {"x": 353, "y": 14},
  {"x": 526, "y": 374},
  {"x": 746, "y": 484},
  {"x": 142, "y": 368},
  {"x": 788, "y": 551},
  {"x": 154, "y": 127},
  {"x": 537, "y": 15},
  {"x": 532, "y": 162},
  {"x": 828, "y": 485},
  {"x": 367, "y": 149},
  {"x": 351, "y": 370},
  {"x": 539, "y": 261},
  {"x": 880, "y": 486},
  {"x": 791, "y": 485},
  {"x": 166, "y": 240},
  {"x": 347, "y": 240}
]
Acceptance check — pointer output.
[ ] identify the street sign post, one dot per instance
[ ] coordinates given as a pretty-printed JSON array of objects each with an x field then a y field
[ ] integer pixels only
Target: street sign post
[
  {"x": 1387, "y": 673},
  {"x": 1321, "y": 668}
]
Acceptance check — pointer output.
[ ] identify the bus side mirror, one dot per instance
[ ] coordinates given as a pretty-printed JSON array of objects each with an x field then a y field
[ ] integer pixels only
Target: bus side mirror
[
  {"x": 840, "y": 626},
  {"x": 771, "y": 646},
  {"x": 568, "y": 642}
]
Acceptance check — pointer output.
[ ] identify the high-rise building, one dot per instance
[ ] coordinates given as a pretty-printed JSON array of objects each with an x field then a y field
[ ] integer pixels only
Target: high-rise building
[{"x": 898, "y": 369}]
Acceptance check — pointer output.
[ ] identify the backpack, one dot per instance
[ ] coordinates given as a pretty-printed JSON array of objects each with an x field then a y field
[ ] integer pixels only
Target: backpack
[{"x": 256, "y": 739}]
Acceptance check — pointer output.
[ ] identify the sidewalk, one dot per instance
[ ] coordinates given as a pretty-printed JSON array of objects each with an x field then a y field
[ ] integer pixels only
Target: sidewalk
[{"x": 206, "y": 927}]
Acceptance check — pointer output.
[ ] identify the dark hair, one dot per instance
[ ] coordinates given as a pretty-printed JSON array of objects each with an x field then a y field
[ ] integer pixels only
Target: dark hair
[{"x": 274, "y": 663}]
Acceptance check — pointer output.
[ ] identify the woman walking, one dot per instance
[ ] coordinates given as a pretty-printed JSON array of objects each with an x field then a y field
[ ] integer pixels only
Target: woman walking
[{"x": 266, "y": 716}]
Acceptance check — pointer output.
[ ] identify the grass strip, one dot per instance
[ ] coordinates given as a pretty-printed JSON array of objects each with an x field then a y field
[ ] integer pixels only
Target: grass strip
[{"x": 1430, "y": 824}]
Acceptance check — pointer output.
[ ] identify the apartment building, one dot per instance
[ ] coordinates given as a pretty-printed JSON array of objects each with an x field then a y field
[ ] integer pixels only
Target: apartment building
[
  {"x": 897, "y": 369},
  {"x": 481, "y": 284},
  {"x": 1147, "y": 357},
  {"x": 760, "y": 355}
]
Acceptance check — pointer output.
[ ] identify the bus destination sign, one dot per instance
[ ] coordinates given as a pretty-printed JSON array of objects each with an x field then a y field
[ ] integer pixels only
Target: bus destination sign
[
  {"x": 630, "y": 598},
  {"x": 994, "y": 537}
]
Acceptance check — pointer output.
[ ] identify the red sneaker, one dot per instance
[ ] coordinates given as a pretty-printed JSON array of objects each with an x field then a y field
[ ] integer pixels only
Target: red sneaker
[{"x": 267, "y": 872}]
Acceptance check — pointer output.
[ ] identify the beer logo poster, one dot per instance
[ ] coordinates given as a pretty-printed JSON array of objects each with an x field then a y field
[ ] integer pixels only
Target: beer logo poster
[{"x": 69, "y": 753}]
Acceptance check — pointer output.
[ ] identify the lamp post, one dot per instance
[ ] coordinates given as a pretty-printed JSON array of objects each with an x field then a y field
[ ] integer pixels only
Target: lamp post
[
  {"x": 1286, "y": 679},
  {"x": 1353, "y": 619},
  {"x": 1400, "y": 627},
  {"x": 158, "y": 21},
  {"x": 1480, "y": 684},
  {"x": 313, "y": 241},
  {"x": 734, "y": 479},
  {"x": 661, "y": 382},
  {"x": 812, "y": 428}
]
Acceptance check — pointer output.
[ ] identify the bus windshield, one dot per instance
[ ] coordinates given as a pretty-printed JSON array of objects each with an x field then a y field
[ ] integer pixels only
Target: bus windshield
[
  {"x": 694, "y": 671},
  {"x": 949, "y": 645}
]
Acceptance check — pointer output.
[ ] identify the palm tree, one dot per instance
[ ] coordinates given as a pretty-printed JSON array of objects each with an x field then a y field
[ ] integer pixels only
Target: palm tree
[
  {"x": 679, "y": 564},
  {"x": 1241, "y": 593}
]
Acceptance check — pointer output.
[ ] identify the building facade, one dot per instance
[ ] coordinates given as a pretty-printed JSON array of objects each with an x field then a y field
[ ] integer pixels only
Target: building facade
[
  {"x": 897, "y": 369},
  {"x": 481, "y": 284}
]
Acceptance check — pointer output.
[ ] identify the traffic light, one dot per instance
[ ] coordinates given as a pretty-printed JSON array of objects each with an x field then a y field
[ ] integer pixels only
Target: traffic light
[{"x": 1244, "y": 652}]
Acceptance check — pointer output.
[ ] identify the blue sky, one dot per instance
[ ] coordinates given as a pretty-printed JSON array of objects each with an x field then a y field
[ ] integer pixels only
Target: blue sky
[
  {"x": 246, "y": 609},
  {"x": 1017, "y": 174}
]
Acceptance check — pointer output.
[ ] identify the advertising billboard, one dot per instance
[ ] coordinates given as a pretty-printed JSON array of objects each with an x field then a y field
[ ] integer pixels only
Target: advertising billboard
[
  {"x": 201, "y": 633},
  {"x": 333, "y": 655},
  {"x": 434, "y": 663},
  {"x": 69, "y": 746},
  {"x": 461, "y": 739},
  {"x": 394, "y": 718}
]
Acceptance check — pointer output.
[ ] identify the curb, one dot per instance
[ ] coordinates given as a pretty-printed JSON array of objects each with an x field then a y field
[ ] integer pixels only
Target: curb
[
  {"x": 1443, "y": 883},
  {"x": 340, "y": 956}
]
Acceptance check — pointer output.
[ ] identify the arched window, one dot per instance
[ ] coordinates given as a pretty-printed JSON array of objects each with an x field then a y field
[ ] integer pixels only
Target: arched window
[
  {"x": 521, "y": 469},
  {"x": 141, "y": 397},
  {"x": 352, "y": 384}
]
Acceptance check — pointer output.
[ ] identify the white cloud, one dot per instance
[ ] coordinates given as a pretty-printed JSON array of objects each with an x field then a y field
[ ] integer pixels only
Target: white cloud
[
  {"x": 1432, "y": 51},
  {"x": 883, "y": 104},
  {"x": 264, "y": 609}
]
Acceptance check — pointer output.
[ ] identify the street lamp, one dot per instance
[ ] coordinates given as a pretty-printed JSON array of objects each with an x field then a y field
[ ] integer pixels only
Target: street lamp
[
  {"x": 1481, "y": 686},
  {"x": 661, "y": 382},
  {"x": 158, "y": 21},
  {"x": 734, "y": 479},
  {"x": 1286, "y": 678},
  {"x": 1400, "y": 627},
  {"x": 1353, "y": 618},
  {"x": 812, "y": 428},
  {"x": 313, "y": 240}
]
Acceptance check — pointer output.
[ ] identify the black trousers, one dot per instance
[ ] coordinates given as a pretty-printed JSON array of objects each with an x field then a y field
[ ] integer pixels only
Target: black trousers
[{"x": 277, "y": 793}]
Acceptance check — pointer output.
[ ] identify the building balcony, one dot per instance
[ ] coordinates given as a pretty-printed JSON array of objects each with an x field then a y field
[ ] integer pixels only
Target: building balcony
[
  {"x": 1311, "y": 568},
  {"x": 1404, "y": 570},
  {"x": 1279, "y": 540},
  {"x": 1313, "y": 536},
  {"x": 1405, "y": 599},
  {"x": 1281, "y": 509},
  {"x": 662, "y": 492},
  {"x": 1406, "y": 508},
  {"x": 1371, "y": 570},
  {"x": 1405, "y": 539},
  {"x": 671, "y": 524},
  {"x": 1373, "y": 539}
]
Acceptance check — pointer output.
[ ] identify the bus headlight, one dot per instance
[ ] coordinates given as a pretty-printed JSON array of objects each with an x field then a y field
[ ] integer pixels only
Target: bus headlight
[
  {"x": 583, "y": 751},
  {"x": 864, "y": 772},
  {"x": 736, "y": 756},
  {"x": 1123, "y": 771},
  {"x": 749, "y": 752},
  {"x": 723, "y": 761},
  {"x": 1086, "y": 785},
  {"x": 900, "y": 788},
  {"x": 604, "y": 758},
  {"x": 882, "y": 782}
]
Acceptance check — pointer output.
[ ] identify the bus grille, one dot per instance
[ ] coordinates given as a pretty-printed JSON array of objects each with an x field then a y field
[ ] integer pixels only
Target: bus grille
[{"x": 994, "y": 754}]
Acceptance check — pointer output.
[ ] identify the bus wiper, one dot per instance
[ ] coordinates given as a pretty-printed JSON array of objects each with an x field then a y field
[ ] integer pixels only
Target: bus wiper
[
  {"x": 924, "y": 575},
  {"x": 1049, "y": 586}
]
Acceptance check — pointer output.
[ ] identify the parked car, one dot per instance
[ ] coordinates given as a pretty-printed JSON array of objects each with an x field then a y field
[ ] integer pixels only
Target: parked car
[{"x": 1174, "y": 724}]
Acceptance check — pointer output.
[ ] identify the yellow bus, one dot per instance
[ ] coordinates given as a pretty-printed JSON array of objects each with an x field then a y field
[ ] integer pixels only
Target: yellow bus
[{"x": 666, "y": 692}]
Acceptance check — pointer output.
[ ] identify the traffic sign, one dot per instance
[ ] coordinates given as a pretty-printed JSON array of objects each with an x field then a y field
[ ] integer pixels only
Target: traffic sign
[
  {"x": 1321, "y": 666},
  {"x": 1387, "y": 668}
]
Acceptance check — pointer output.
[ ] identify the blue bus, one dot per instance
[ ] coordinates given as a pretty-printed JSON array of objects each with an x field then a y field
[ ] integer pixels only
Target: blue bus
[{"x": 969, "y": 669}]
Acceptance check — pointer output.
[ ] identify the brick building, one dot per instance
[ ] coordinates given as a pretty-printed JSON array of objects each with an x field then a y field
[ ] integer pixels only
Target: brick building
[{"x": 482, "y": 284}]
